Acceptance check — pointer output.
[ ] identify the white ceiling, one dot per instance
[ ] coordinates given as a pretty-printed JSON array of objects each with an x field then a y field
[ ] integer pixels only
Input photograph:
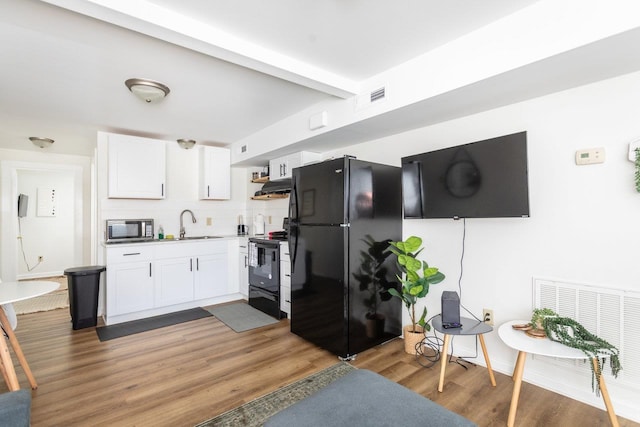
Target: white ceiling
[{"x": 63, "y": 63}]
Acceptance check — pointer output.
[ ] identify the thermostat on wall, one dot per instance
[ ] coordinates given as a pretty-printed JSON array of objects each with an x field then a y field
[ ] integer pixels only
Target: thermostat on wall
[{"x": 590, "y": 156}]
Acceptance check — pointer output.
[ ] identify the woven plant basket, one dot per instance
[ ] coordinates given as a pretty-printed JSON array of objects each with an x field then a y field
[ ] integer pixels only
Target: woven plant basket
[{"x": 411, "y": 339}]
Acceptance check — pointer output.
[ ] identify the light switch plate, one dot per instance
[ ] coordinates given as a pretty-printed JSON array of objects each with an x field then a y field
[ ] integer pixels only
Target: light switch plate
[{"x": 590, "y": 156}]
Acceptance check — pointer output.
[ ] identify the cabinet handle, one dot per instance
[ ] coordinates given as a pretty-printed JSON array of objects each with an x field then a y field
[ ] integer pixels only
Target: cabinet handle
[
  {"x": 287, "y": 275},
  {"x": 132, "y": 253},
  {"x": 162, "y": 189},
  {"x": 149, "y": 269},
  {"x": 281, "y": 165},
  {"x": 197, "y": 264},
  {"x": 208, "y": 195},
  {"x": 245, "y": 261},
  {"x": 285, "y": 169},
  {"x": 191, "y": 264}
]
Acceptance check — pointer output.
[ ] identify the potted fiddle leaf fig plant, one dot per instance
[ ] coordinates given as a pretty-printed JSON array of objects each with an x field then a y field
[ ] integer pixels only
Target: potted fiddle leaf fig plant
[{"x": 418, "y": 276}]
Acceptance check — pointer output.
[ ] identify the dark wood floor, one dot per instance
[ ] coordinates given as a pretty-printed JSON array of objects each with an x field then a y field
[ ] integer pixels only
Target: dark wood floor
[{"x": 184, "y": 374}]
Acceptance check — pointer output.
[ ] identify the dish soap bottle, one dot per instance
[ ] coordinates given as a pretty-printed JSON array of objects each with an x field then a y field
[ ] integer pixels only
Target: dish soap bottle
[{"x": 160, "y": 233}]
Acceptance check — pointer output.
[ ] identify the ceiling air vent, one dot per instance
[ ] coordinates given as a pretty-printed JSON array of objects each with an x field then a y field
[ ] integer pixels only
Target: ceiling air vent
[{"x": 377, "y": 94}]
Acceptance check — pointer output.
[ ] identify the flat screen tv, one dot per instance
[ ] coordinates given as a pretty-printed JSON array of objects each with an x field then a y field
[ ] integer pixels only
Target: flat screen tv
[{"x": 483, "y": 179}]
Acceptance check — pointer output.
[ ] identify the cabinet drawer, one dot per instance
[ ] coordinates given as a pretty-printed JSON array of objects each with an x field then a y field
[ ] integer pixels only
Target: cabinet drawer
[
  {"x": 285, "y": 299},
  {"x": 284, "y": 251},
  {"x": 129, "y": 254},
  {"x": 285, "y": 273}
]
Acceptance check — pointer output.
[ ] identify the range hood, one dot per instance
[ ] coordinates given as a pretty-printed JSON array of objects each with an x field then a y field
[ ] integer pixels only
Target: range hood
[{"x": 281, "y": 186}]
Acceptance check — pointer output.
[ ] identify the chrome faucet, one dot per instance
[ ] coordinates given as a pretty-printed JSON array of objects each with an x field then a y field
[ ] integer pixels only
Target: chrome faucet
[{"x": 193, "y": 219}]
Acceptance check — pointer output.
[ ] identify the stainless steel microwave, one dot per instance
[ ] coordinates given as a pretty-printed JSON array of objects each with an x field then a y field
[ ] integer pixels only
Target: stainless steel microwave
[{"x": 128, "y": 230}]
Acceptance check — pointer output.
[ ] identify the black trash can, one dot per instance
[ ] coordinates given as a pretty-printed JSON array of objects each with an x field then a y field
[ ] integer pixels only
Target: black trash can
[{"x": 84, "y": 284}]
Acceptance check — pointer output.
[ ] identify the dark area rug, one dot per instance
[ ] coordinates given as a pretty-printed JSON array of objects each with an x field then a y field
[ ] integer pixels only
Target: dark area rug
[
  {"x": 256, "y": 412},
  {"x": 106, "y": 333}
]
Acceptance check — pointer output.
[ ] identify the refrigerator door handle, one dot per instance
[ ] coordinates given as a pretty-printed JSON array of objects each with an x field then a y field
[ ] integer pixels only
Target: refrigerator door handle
[
  {"x": 293, "y": 224},
  {"x": 293, "y": 234}
]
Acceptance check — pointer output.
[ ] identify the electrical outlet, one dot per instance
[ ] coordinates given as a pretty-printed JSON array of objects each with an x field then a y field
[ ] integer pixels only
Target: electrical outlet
[
  {"x": 40, "y": 258},
  {"x": 487, "y": 316}
]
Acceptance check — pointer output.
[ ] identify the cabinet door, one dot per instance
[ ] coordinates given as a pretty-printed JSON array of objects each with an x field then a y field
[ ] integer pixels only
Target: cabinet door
[
  {"x": 211, "y": 279},
  {"x": 243, "y": 272},
  {"x": 285, "y": 287},
  {"x": 282, "y": 167},
  {"x": 174, "y": 281},
  {"x": 136, "y": 167},
  {"x": 279, "y": 168},
  {"x": 130, "y": 288},
  {"x": 215, "y": 173},
  {"x": 285, "y": 279}
]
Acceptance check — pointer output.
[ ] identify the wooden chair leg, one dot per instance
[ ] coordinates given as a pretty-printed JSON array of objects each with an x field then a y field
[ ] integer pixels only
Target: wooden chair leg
[
  {"x": 605, "y": 395},
  {"x": 486, "y": 359},
  {"x": 443, "y": 361},
  {"x": 8, "y": 371},
  {"x": 17, "y": 349},
  {"x": 517, "y": 378}
]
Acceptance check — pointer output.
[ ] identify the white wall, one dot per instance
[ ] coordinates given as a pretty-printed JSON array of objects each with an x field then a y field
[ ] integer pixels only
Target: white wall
[
  {"x": 47, "y": 235},
  {"x": 583, "y": 218}
]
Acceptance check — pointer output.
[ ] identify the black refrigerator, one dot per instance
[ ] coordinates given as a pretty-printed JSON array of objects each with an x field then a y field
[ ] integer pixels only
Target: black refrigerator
[{"x": 342, "y": 215}]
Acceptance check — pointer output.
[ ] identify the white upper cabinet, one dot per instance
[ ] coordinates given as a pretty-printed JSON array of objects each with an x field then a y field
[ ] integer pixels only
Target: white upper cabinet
[
  {"x": 281, "y": 167},
  {"x": 136, "y": 167},
  {"x": 215, "y": 173}
]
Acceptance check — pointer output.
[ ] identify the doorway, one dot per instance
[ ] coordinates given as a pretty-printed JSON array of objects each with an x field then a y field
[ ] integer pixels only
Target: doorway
[{"x": 48, "y": 239}]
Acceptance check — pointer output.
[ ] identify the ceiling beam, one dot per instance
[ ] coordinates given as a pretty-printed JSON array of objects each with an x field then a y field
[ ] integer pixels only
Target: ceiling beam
[{"x": 164, "y": 24}]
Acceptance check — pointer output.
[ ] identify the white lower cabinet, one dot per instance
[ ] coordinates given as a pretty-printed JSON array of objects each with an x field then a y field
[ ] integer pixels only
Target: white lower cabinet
[
  {"x": 210, "y": 276},
  {"x": 285, "y": 279},
  {"x": 174, "y": 277},
  {"x": 154, "y": 278},
  {"x": 243, "y": 267},
  {"x": 130, "y": 284},
  {"x": 130, "y": 288}
]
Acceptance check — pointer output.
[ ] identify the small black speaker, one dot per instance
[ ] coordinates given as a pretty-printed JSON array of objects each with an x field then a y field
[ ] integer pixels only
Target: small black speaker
[{"x": 450, "y": 308}]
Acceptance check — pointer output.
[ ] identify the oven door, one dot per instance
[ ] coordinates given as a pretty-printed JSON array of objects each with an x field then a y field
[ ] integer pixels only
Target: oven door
[
  {"x": 264, "y": 301},
  {"x": 264, "y": 266}
]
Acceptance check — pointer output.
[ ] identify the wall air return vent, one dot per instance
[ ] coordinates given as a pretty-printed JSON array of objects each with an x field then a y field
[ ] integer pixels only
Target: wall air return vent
[
  {"x": 378, "y": 94},
  {"x": 366, "y": 99}
]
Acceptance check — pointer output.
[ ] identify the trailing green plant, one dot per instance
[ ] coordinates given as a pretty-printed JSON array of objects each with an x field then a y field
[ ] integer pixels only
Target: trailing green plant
[
  {"x": 637, "y": 162},
  {"x": 572, "y": 334},
  {"x": 418, "y": 276},
  {"x": 372, "y": 274}
]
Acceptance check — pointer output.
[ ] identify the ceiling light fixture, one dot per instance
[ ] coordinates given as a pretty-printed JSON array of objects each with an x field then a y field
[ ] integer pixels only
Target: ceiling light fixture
[
  {"x": 147, "y": 90},
  {"x": 187, "y": 144},
  {"x": 41, "y": 142}
]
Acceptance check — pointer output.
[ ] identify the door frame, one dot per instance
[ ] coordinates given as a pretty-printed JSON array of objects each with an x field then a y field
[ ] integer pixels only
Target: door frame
[{"x": 9, "y": 212}]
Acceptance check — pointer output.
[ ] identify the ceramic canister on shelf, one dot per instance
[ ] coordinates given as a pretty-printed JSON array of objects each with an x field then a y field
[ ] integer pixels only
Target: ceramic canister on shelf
[{"x": 258, "y": 224}]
